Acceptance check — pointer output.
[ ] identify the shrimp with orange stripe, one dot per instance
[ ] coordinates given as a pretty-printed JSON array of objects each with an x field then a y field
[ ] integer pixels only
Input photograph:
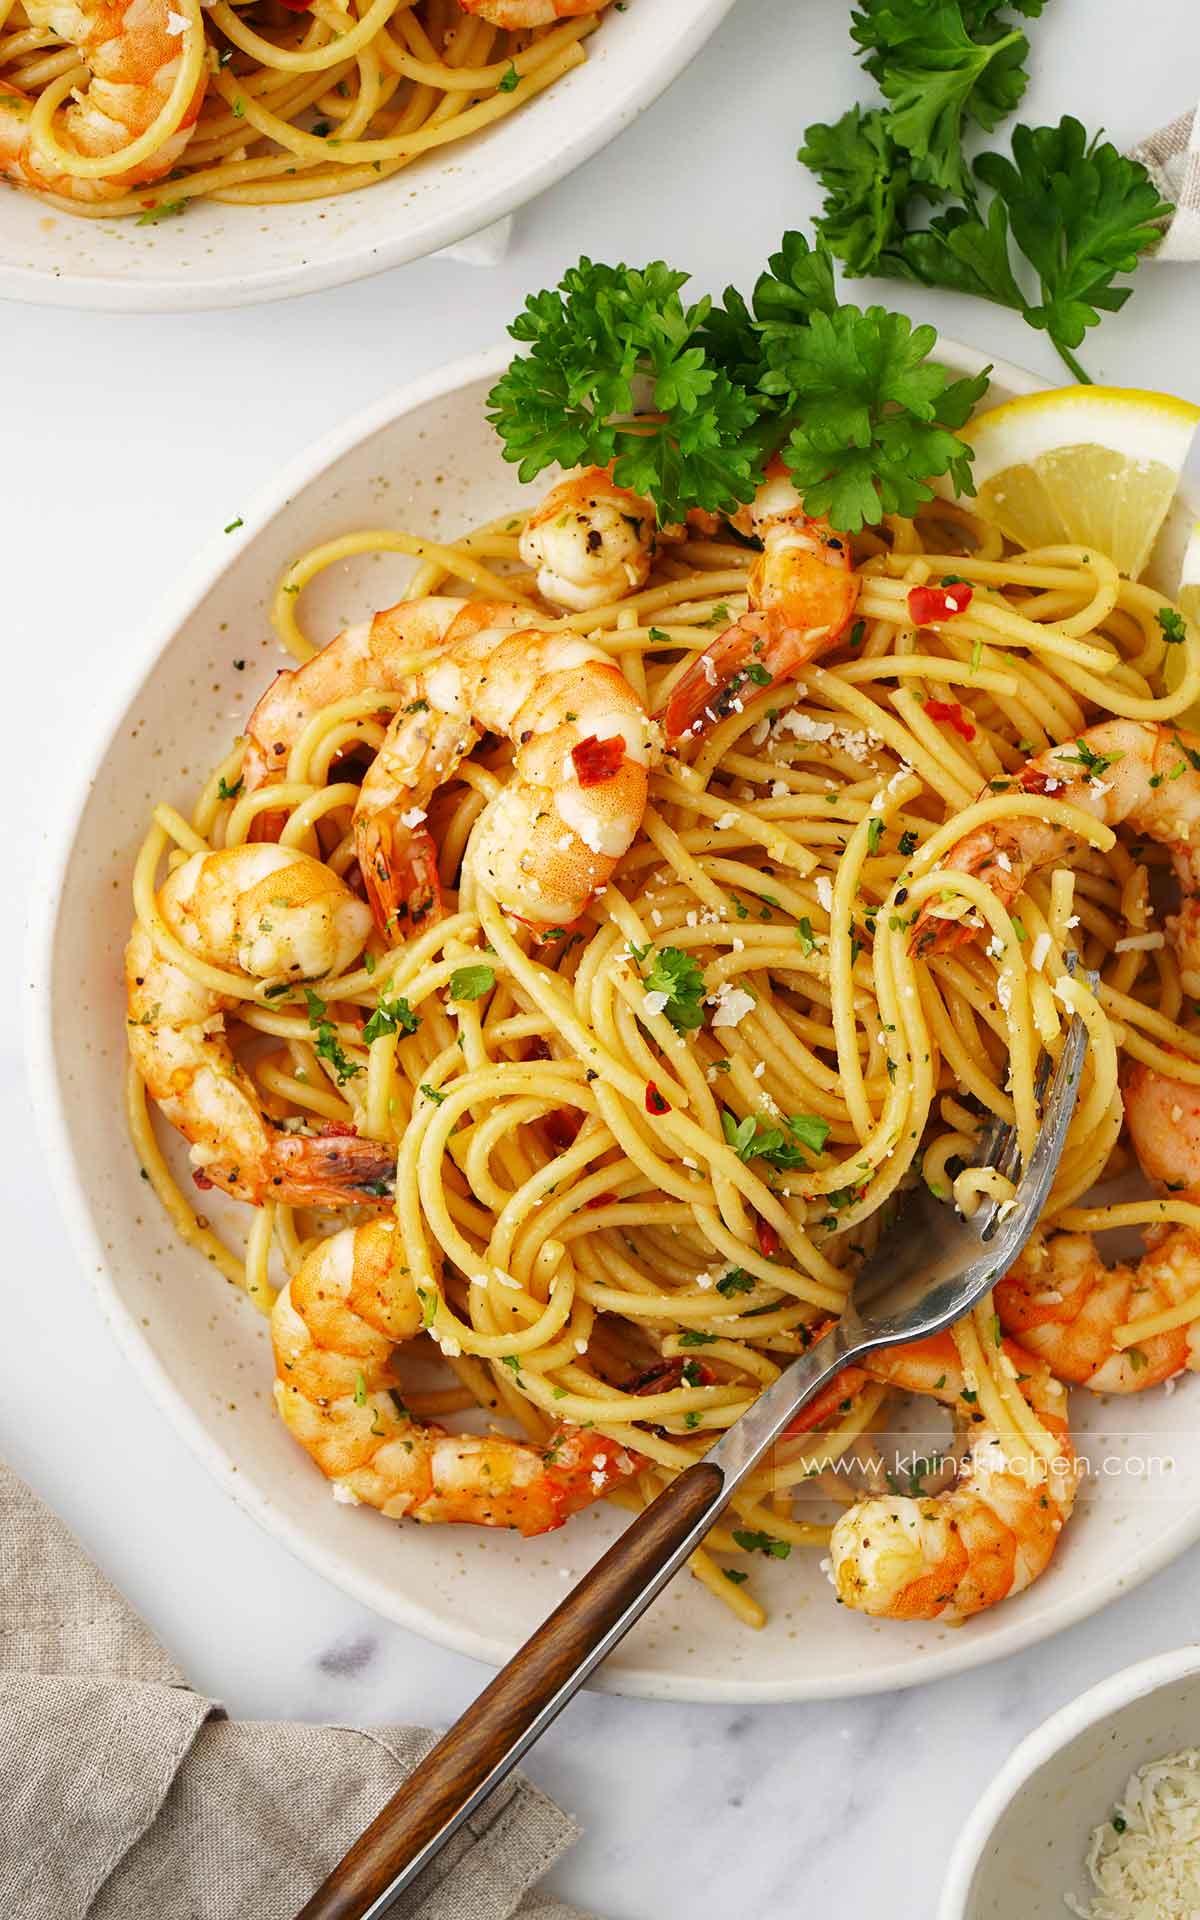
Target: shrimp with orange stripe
[
  {"x": 802, "y": 590},
  {"x": 335, "y": 1329},
  {"x": 134, "y": 51},
  {"x": 945, "y": 1556}
]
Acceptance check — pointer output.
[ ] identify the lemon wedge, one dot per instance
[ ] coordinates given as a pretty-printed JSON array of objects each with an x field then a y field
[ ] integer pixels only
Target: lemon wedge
[{"x": 1094, "y": 466}]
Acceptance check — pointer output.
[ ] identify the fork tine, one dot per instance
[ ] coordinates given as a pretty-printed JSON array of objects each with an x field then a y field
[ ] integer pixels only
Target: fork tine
[
  {"x": 999, "y": 1142},
  {"x": 1057, "y": 1109}
]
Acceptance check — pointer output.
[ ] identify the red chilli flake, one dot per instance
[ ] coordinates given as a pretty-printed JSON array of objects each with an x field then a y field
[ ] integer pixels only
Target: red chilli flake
[
  {"x": 598, "y": 1200},
  {"x": 1033, "y": 780},
  {"x": 654, "y": 1100},
  {"x": 203, "y": 1182},
  {"x": 928, "y": 605},
  {"x": 768, "y": 1239},
  {"x": 952, "y": 714},
  {"x": 330, "y": 1129},
  {"x": 598, "y": 760}
]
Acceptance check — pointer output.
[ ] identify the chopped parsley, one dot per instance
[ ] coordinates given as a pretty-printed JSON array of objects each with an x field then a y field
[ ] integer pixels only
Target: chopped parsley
[
  {"x": 390, "y": 1016},
  {"x": 751, "y": 1542},
  {"x": 329, "y": 1047},
  {"x": 471, "y": 983},
  {"x": 677, "y": 975},
  {"x": 737, "y": 1280}
]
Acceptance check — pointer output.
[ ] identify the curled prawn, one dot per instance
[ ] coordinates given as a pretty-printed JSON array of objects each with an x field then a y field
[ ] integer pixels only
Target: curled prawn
[
  {"x": 334, "y": 1328},
  {"x": 375, "y": 653},
  {"x": 590, "y": 541},
  {"x": 948, "y": 1555},
  {"x": 802, "y": 590},
  {"x": 552, "y": 836},
  {"x": 134, "y": 51},
  {"x": 1064, "y": 1305},
  {"x": 1140, "y": 774},
  {"x": 272, "y": 914}
]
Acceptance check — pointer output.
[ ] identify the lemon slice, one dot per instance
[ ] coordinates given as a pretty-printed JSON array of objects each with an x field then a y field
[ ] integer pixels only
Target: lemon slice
[{"x": 1097, "y": 466}]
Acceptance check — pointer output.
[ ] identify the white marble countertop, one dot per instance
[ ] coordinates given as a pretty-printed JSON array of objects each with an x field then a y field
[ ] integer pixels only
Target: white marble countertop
[{"x": 126, "y": 442}]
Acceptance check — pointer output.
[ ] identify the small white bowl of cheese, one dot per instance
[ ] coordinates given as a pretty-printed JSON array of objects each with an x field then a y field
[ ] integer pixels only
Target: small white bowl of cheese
[{"x": 1097, "y": 1812}]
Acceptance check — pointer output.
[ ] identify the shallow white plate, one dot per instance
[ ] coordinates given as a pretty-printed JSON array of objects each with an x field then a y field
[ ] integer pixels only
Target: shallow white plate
[
  {"x": 425, "y": 458},
  {"x": 1024, "y": 1846},
  {"x": 226, "y": 256}
]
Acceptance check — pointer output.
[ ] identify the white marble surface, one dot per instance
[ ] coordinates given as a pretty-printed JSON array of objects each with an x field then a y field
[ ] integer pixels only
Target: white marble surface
[{"x": 126, "y": 442}]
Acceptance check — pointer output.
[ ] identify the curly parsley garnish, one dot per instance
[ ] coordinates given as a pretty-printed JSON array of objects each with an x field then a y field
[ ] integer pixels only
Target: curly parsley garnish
[
  {"x": 691, "y": 401},
  {"x": 1079, "y": 211}
]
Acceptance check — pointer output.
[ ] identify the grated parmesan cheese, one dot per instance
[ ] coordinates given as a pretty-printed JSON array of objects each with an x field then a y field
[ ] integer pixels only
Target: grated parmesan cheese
[
  {"x": 1144, "y": 1863},
  {"x": 1139, "y": 943}
]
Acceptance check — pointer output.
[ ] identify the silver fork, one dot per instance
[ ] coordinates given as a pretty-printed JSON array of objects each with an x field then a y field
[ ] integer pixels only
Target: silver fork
[{"x": 931, "y": 1268}]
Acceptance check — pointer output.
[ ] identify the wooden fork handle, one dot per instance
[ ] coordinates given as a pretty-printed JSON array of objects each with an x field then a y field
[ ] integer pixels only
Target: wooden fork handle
[{"x": 482, "y": 1747}]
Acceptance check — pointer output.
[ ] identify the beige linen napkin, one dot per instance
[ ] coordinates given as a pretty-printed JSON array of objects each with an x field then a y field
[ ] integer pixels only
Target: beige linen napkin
[
  {"x": 1172, "y": 159},
  {"x": 123, "y": 1794}
]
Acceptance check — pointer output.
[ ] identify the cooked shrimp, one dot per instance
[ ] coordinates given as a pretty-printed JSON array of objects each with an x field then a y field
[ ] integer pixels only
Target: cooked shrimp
[
  {"x": 335, "y": 1327},
  {"x": 376, "y": 653},
  {"x": 553, "y": 835},
  {"x": 133, "y": 49},
  {"x": 519, "y": 16},
  {"x": 803, "y": 591},
  {"x": 274, "y": 914},
  {"x": 1124, "y": 772},
  {"x": 590, "y": 541},
  {"x": 1063, "y": 1304},
  {"x": 945, "y": 1556},
  {"x": 1163, "y": 1117}
]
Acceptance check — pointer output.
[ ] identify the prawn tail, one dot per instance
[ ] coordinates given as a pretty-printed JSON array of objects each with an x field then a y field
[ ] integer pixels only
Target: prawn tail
[
  {"x": 400, "y": 875},
  {"x": 335, "y": 1168},
  {"x": 719, "y": 681},
  {"x": 834, "y": 1399},
  {"x": 581, "y": 1467},
  {"x": 934, "y": 934}
]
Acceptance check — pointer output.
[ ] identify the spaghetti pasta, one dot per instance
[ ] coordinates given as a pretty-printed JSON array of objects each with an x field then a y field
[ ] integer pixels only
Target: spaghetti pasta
[
  {"x": 276, "y": 101},
  {"x": 629, "y": 1209}
]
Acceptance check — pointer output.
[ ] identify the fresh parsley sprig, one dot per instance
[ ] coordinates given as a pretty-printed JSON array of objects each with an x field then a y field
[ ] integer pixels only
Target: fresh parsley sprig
[
  {"x": 690, "y": 402},
  {"x": 1079, "y": 212}
]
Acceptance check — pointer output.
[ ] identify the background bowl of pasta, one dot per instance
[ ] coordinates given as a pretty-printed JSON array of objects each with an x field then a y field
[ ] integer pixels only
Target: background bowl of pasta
[
  {"x": 524, "y": 130},
  {"x": 205, "y": 1353}
]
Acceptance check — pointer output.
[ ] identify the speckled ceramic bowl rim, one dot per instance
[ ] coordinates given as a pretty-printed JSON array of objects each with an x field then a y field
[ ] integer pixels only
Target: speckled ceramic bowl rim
[
  {"x": 395, "y": 240},
  {"x": 1028, "y": 1628},
  {"x": 1091, "y": 1709}
]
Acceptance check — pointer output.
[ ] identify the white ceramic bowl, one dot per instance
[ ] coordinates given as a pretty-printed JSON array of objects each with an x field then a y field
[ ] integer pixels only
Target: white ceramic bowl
[
  {"x": 227, "y": 256},
  {"x": 1023, "y": 1848},
  {"x": 425, "y": 458}
]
